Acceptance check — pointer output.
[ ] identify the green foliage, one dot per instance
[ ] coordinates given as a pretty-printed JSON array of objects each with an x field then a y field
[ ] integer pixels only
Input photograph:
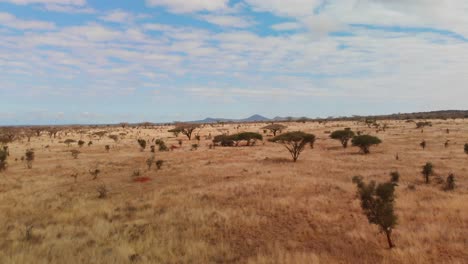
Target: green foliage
[
  {"x": 294, "y": 142},
  {"x": 275, "y": 128},
  {"x": 364, "y": 142},
  {"x": 29, "y": 157},
  {"x": 229, "y": 141},
  {"x": 343, "y": 136},
  {"x": 427, "y": 171},
  {"x": 377, "y": 203},
  {"x": 142, "y": 144}
]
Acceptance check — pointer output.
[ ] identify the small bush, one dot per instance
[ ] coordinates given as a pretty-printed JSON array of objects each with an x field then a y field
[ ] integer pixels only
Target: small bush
[
  {"x": 95, "y": 173},
  {"x": 427, "y": 171},
  {"x": 149, "y": 162},
  {"x": 423, "y": 144},
  {"x": 194, "y": 146},
  {"x": 29, "y": 157},
  {"x": 102, "y": 191},
  {"x": 466, "y": 148},
  {"x": 107, "y": 147},
  {"x": 69, "y": 141},
  {"x": 90, "y": 143},
  {"x": 450, "y": 182},
  {"x": 142, "y": 144},
  {"x": 81, "y": 143},
  {"x": 75, "y": 153},
  {"x": 159, "y": 164}
]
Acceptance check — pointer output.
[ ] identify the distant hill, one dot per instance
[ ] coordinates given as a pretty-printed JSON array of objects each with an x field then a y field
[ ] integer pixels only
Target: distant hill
[{"x": 254, "y": 118}]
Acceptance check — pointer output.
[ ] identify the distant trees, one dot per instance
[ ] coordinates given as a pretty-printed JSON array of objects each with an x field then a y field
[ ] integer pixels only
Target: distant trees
[
  {"x": 377, "y": 203},
  {"x": 343, "y": 136},
  {"x": 235, "y": 139},
  {"x": 294, "y": 142},
  {"x": 423, "y": 124},
  {"x": 427, "y": 171},
  {"x": 186, "y": 129},
  {"x": 364, "y": 142},
  {"x": 275, "y": 128}
]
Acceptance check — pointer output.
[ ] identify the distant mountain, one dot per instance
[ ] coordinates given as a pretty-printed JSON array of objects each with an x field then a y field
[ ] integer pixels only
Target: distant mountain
[{"x": 254, "y": 118}]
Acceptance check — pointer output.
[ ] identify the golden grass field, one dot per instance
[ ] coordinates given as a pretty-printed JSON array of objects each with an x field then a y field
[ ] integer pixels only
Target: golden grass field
[{"x": 233, "y": 205}]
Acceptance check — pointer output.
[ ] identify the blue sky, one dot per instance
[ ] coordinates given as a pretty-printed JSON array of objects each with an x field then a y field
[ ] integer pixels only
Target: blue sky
[{"x": 89, "y": 61}]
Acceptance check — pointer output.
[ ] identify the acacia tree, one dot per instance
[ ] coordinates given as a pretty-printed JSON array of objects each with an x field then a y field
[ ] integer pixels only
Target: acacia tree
[
  {"x": 186, "y": 129},
  {"x": 364, "y": 142},
  {"x": 343, "y": 136},
  {"x": 295, "y": 142},
  {"x": 377, "y": 202},
  {"x": 142, "y": 144},
  {"x": 275, "y": 128}
]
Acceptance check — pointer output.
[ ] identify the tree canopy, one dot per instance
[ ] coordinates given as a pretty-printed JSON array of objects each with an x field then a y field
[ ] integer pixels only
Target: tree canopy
[{"x": 295, "y": 142}]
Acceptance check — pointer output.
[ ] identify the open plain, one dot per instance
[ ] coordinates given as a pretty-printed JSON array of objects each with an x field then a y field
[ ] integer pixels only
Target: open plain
[{"x": 244, "y": 204}]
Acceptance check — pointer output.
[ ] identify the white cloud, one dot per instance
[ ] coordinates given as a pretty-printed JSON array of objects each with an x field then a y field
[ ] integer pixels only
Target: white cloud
[
  {"x": 11, "y": 21},
  {"x": 189, "y": 6},
  {"x": 286, "y": 26},
  {"x": 120, "y": 16},
  {"x": 227, "y": 20},
  {"x": 57, "y": 2}
]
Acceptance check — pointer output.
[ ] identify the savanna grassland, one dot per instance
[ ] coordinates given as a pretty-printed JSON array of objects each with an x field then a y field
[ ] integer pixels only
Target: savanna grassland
[{"x": 245, "y": 204}]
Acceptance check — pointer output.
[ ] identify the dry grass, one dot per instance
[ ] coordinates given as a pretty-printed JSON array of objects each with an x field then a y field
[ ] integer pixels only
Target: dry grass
[{"x": 232, "y": 205}]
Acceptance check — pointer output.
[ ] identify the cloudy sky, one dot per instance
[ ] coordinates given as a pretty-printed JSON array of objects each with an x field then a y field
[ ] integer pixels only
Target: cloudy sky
[{"x": 104, "y": 61}]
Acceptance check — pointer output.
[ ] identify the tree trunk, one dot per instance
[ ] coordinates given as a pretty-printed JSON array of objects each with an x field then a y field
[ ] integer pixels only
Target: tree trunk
[{"x": 389, "y": 239}]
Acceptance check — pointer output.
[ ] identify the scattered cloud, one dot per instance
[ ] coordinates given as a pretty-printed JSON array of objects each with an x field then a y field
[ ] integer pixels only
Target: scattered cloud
[
  {"x": 184, "y": 6},
  {"x": 11, "y": 21}
]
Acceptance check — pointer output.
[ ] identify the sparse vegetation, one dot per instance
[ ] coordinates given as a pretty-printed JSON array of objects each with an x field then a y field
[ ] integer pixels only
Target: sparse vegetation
[
  {"x": 159, "y": 164},
  {"x": 423, "y": 144},
  {"x": 75, "y": 153},
  {"x": 81, "y": 143},
  {"x": 377, "y": 202},
  {"x": 295, "y": 142},
  {"x": 450, "y": 182},
  {"x": 466, "y": 148},
  {"x": 69, "y": 142},
  {"x": 364, "y": 142}
]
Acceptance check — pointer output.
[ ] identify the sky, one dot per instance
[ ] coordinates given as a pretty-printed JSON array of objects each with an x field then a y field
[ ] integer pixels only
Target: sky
[{"x": 109, "y": 61}]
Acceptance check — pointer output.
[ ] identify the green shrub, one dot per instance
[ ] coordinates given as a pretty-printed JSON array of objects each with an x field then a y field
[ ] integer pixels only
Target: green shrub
[
  {"x": 377, "y": 203},
  {"x": 364, "y": 142}
]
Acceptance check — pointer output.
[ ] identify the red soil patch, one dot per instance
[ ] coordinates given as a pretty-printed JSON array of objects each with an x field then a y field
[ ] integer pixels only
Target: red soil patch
[{"x": 142, "y": 179}]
